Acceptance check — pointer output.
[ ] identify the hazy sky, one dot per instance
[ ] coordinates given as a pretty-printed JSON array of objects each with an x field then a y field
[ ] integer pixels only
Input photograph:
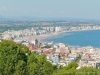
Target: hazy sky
[{"x": 51, "y": 8}]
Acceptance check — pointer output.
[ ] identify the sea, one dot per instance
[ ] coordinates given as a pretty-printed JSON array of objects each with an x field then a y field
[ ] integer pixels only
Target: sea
[{"x": 77, "y": 38}]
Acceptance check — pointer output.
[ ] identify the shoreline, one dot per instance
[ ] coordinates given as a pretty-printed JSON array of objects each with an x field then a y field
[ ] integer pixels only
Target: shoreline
[
  {"x": 51, "y": 35},
  {"x": 44, "y": 36}
]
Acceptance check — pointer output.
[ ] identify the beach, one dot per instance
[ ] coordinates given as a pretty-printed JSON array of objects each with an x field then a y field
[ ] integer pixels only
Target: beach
[{"x": 44, "y": 36}]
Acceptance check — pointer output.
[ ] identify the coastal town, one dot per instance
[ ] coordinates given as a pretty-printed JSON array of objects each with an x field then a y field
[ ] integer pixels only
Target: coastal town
[
  {"x": 49, "y": 37},
  {"x": 56, "y": 53}
]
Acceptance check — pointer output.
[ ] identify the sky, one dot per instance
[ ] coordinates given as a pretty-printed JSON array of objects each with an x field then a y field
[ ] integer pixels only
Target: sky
[{"x": 51, "y": 8}]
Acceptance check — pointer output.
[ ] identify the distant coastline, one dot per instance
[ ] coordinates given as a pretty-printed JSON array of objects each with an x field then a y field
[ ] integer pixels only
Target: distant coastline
[
  {"x": 57, "y": 38},
  {"x": 44, "y": 36}
]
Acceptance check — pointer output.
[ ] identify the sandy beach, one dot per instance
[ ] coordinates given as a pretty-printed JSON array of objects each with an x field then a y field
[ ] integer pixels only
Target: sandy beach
[{"x": 43, "y": 36}]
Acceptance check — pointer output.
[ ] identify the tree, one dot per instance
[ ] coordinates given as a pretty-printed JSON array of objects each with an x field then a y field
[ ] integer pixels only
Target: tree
[
  {"x": 87, "y": 71},
  {"x": 16, "y": 59},
  {"x": 43, "y": 66},
  {"x": 13, "y": 59},
  {"x": 32, "y": 63},
  {"x": 70, "y": 69}
]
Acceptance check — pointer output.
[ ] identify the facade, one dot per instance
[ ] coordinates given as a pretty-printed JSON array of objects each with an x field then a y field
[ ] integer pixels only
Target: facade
[
  {"x": 34, "y": 42},
  {"x": 57, "y": 29}
]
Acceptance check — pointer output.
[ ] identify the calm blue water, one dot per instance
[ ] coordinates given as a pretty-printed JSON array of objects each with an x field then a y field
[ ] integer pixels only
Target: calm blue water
[{"x": 79, "y": 38}]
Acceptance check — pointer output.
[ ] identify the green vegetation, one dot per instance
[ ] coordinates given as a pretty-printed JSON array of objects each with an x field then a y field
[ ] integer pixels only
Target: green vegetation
[
  {"x": 16, "y": 59},
  {"x": 67, "y": 69}
]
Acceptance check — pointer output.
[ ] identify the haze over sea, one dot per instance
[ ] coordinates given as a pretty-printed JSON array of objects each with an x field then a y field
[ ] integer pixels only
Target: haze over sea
[{"x": 77, "y": 38}]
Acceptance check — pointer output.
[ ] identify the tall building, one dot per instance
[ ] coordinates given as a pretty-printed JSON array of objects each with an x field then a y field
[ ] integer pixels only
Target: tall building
[
  {"x": 52, "y": 29},
  {"x": 57, "y": 29},
  {"x": 34, "y": 41}
]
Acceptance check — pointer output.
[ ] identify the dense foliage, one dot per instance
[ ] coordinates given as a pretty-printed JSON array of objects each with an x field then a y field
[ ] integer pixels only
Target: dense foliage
[{"x": 16, "y": 59}]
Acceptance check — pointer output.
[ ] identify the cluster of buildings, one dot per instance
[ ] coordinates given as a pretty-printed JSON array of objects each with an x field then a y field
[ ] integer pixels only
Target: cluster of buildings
[
  {"x": 31, "y": 34},
  {"x": 59, "y": 54},
  {"x": 28, "y": 34}
]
